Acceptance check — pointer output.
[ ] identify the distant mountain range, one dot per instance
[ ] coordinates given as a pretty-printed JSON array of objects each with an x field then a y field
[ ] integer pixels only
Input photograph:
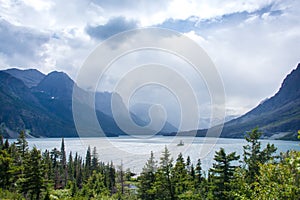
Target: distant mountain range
[
  {"x": 42, "y": 104},
  {"x": 277, "y": 117}
]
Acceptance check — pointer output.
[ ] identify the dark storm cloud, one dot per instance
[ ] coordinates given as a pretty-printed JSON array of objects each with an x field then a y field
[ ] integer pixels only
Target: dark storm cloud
[
  {"x": 20, "y": 44},
  {"x": 113, "y": 26}
]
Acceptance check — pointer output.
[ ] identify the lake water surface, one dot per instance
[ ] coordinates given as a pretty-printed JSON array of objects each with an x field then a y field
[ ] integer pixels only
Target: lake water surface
[{"x": 134, "y": 152}]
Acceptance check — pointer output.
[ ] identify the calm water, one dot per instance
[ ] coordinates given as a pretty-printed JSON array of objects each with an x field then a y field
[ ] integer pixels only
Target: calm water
[{"x": 134, "y": 152}]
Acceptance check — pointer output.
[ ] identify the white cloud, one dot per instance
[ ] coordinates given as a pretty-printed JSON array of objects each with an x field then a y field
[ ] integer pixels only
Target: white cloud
[
  {"x": 256, "y": 53},
  {"x": 247, "y": 39}
]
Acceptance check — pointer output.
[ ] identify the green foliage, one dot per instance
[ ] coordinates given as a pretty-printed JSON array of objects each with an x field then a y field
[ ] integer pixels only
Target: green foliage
[
  {"x": 32, "y": 182},
  {"x": 95, "y": 186},
  {"x": 254, "y": 156},
  {"x": 28, "y": 174},
  {"x": 222, "y": 173},
  {"x": 279, "y": 181},
  {"x": 8, "y": 195},
  {"x": 147, "y": 179},
  {"x": 180, "y": 178},
  {"x": 163, "y": 186},
  {"x": 5, "y": 169}
]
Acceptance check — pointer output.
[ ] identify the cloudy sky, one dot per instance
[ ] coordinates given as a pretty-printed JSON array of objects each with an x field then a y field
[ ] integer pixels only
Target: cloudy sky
[{"x": 254, "y": 44}]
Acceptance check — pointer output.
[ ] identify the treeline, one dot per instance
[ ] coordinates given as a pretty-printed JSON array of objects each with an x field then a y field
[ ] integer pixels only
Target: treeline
[
  {"x": 258, "y": 174},
  {"x": 30, "y": 174}
]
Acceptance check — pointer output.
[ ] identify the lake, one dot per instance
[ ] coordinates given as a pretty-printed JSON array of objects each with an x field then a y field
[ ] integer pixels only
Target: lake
[{"x": 134, "y": 152}]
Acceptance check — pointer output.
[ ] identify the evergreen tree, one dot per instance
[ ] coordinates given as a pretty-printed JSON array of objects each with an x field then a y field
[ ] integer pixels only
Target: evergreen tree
[
  {"x": 22, "y": 144},
  {"x": 188, "y": 164},
  {"x": 5, "y": 169},
  {"x": 19, "y": 155},
  {"x": 192, "y": 173},
  {"x": 254, "y": 156},
  {"x": 88, "y": 159},
  {"x": 147, "y": 179},
  {"x": 222, "y": 173},
  {"x": 47, "y": 164},
  {"x": 180, "y": 177},
  {"x": 163, "y": 185},
  {"x": 95, "y": 186},
  {"x": 95, "y": 161},
  {"x": 112, "y": 178},
  {"x": 63, "y": 164},
  {"x": 198, "y": 172},
  {"x": 33, "y": 181},
  {"x": 55, "y": 154},
  {"x": 71, "y": 167}
]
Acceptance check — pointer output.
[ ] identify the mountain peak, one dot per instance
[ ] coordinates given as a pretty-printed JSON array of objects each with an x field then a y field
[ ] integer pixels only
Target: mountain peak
[
  {"x": 30, "y": 77},
  {"x": 56, "y": 84}
]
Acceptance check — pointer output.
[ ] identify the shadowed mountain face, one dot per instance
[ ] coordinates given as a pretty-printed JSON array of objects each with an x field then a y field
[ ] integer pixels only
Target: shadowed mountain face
[
  {"x": 21, "y": 109},
  {"x": 45, "y": 109},
  {"x": 44, "y": 106},
  {"x": 30, "y": 77},
  {"x": 277, "y": 117}
]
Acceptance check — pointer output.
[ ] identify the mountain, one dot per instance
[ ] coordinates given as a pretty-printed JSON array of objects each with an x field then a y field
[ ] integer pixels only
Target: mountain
[
  {"x": 277, "y": 117},
  {"x": 20, "y": 109},
  {"x": 44, "y": 106},
  {"x": 55, "y": 93},
  {"x": 30, "y": 77}
]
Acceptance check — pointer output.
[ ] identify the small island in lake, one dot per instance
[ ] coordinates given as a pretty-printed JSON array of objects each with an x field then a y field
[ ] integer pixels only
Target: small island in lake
[{"x": 180, "y": 143}]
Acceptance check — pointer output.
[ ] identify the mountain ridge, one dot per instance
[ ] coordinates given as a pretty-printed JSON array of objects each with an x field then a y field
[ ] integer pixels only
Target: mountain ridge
[
  {"x": 277, "y": 115},
  {"x": 49, "y": 103},
  {"x": 45, "y": 107}
]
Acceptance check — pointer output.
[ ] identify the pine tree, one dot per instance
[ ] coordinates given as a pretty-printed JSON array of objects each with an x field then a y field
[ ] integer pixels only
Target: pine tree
[
  {"x": 88, "y": 159},
  {"x": 95, "y": 161},
  {"x": 112, "y": 178},
  {"x": 5, "y": 169},
  {"x": 22, "y": 143},
  {"x": 222, "y": 173},
  {"x": 192, "y": 173},
  {"x": 71, "y": 167},
  {"x": 180, "y": 177},
  {"x": 254, "y": 156},
  {"x": 163, "y": 185},
  {"x": 188, "y": 164},
  {"x": 95, "y": 186},
  {"x": 63, "y": 164},
  {"x": 22, "y": 149},
  {"x": 147, "y": 179},
  {"x": 198, "y": 173},
  {"x": 33, "y": 181},
  {"x": 48, "y": 165},
  {"x": 55, "y": 154}
]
